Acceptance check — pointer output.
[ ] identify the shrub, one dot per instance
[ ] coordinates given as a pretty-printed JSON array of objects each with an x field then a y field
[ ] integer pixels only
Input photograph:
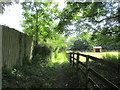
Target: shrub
[
  {"x": 26, "y": 60},
  {"x": 41, "y": 52}
]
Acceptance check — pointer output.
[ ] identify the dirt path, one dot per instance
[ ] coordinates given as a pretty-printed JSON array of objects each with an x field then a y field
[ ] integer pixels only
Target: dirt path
[{"x": 61, "y": 78}]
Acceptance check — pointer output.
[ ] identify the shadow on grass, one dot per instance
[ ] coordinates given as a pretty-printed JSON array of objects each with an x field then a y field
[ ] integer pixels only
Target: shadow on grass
[
  {"x": 110, "y": 70},
  {"x": 41, "y": 75},
  {"x": 58, "y": 73}
]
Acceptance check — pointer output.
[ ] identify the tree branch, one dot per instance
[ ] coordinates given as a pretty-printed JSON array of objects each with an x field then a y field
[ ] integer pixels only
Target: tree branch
[{"x": 108, "y": 18}]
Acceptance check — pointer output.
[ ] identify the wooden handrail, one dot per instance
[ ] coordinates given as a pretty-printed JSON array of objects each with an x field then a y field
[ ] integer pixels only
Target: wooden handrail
[
  {"x": 89, "y": 70},
  {"x": 93, "y": 83},
  {"x": 82, "y": 71},
  {"x": 82, "y": 64},
  {"x": 102, "y": 61},
  {"x": 104, "y": 80}
]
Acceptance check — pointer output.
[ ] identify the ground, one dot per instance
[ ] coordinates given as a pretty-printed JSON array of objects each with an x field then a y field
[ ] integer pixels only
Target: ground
[
  {"x": 60, "y": 77},
  {"x": 58, "y": 74}
]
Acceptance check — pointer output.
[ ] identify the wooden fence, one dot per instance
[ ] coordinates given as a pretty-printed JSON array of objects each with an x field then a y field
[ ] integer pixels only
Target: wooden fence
[
  {"x": 0, "y": 59},
  {"x": 15, "y": 46},
  {"x": 75, "y": 61}
]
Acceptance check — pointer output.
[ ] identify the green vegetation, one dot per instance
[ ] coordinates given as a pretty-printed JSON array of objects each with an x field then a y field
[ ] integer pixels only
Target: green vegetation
[
  {"x": 99, "y": 55},
  {"x": 110, "y": 70},
  {"x": 80, "y": 42},
  {"x": 89, "y": 17},
  {"x": 41, "y": 75},
  {"x": 34, "y": 75},
  {"x": 96, "y": 23},
  {"x": 46, "y": 75},
  {"x": 39, "y": 20},
  {"x": 44, "y": 20},
  {"x": 112, "y": 58}
]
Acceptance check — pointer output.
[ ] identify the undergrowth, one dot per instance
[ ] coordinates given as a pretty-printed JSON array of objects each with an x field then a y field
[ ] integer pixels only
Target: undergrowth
[
  {"x": 29, "y": 76},
  {"x": 38, "y": 74}
]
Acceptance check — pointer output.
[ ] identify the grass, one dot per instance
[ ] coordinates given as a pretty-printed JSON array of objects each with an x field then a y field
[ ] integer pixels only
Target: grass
[
  {"x": 111, "y": 57},
  {"x": 71, "y": 78},
  {"x": 34, "y": 75},
  {"x": 98, "y": 55},
  {"x": 110, "y": 70},
  {"x": 43, "y": 75},
  {"x": 61, "y": 58}
]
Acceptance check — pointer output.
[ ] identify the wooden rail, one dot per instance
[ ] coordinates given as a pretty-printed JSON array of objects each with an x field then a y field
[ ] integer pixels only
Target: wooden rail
[{"x": 89, "y": 70}]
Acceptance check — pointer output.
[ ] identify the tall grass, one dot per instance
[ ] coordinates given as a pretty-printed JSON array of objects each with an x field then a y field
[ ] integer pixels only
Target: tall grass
[
  {"x": 111, "y": 58},
  {"x": 113, "y": 61}
]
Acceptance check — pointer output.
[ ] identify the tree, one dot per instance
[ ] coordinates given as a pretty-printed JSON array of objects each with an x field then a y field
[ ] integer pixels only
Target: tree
[
  {"x": 80, "y": 45},
  {"x": 39, "y": 19},
  {"x": 40, "y": 22},
  {"x": 57, "y": 43},
  {"x": 96, "y": 17},
  {"x": 80, "y": 42},
  {"x": 4, "y": 3}
]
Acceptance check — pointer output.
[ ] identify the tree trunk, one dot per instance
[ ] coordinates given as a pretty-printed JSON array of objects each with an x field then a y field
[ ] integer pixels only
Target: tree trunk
[{"x": 37, "y": 29}]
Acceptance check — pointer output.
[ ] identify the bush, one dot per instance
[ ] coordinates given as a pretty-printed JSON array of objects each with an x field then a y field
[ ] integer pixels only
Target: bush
[
  {"x": 26, "y": 61},
  {"x": 41, "y": 52}
]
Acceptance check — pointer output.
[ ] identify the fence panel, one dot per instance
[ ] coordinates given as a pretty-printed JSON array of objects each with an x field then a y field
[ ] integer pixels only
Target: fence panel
[
  {"x": 15, "y": 45},
  {"x": 0, "y": 58}
]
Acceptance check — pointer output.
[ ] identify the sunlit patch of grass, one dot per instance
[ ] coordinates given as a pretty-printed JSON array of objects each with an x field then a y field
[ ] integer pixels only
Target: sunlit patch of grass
[
  {"x": 99, "y": 54},
  {"x": 61, "y": 58},
  {"x": 95, "y": 54},
  {"x": 111, "y": 58}
]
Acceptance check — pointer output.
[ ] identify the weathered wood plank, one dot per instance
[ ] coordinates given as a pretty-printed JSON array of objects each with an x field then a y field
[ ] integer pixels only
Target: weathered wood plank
[
  {"x": 93, "y": 83},
  {"x": 104, "y": 80},
  {"x": 87, "y": 71},
  {"x": 1, "y": 58},
  {"x": 82, "y": 71},
  {"x": 10, "y": 47}
]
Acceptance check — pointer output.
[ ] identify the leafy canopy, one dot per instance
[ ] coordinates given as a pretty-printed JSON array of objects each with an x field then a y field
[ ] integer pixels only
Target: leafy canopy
[
  {"x": 39, "y": 19},
  {"x": 101, "y": 19}
]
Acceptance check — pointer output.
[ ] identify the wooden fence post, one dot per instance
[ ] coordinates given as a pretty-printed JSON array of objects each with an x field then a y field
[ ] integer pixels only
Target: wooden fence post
[
  {"x": 77, "y": 69},
  {"x": 77, "y": 60},
  {"x": 87, "y": 71},
  {"x": 70, "y": 58},
  {"x": 73, "y": 59}
]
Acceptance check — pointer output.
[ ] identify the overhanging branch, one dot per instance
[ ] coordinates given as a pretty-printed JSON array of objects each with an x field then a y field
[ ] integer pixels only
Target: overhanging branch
[{"x": 108, "y": 18}]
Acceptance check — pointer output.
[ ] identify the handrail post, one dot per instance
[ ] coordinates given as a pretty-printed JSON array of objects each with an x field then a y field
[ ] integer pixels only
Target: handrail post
[
  {"x": 70, "y": 58},
  {"x": 87, "y": 71},
  {"x": 73, "y": 59},
  {"x": 77, "y": 69},
  {"x": 77, "y": 60}
]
